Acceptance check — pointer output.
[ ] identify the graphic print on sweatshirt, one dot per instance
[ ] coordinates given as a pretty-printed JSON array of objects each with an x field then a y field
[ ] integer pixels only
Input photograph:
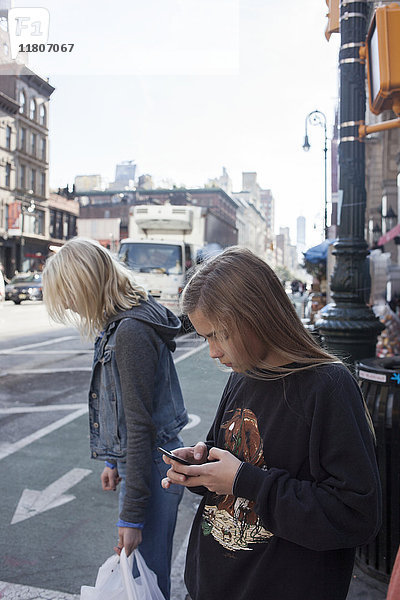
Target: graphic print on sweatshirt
[{"x": 232, "y": 521}]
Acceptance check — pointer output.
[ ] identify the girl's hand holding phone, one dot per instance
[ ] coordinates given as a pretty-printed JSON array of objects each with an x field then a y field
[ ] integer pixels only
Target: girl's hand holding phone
[{"x": 216, "y": 471}]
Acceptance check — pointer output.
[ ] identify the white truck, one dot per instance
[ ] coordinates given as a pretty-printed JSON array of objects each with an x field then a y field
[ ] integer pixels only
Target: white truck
[{"x": 162, "y": 246}]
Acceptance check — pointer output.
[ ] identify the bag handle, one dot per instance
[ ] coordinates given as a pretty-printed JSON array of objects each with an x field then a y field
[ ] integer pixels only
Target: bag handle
[
  {"x": 126, "y": 564},
  {"x": 148, "y": 588}
]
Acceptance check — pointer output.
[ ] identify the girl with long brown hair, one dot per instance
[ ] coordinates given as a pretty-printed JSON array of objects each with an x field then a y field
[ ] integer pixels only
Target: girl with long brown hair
[{"x": 288, "y": 472}]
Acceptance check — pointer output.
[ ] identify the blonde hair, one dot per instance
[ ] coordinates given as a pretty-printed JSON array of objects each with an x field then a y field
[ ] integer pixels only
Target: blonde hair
[
  {"x": 238, "y": 292},
  {"x": 84, "y": 285}
]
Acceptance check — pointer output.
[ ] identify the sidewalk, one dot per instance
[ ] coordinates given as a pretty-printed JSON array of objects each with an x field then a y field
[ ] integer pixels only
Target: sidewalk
[{"x": 364, "y": 587}]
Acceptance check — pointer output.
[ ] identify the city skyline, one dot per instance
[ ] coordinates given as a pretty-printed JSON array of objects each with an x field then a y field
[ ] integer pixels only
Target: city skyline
[{"x": 183, "y": 119}]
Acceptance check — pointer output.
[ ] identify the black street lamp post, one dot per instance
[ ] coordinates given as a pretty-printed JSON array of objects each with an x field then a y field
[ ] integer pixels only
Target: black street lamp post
[
  {"x": 348, "y": 327},
  {"x": 316, "y": 117}
]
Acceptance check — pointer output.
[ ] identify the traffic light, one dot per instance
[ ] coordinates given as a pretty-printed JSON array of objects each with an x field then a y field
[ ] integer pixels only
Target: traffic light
[
  {"x": 333, "y": 18},
  {"x": 382, "y": 54}
]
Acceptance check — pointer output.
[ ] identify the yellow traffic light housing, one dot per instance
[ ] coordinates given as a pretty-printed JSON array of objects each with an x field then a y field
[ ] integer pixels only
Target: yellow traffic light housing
[
  {"x": 333, "y": 18},
  {"x": 382, "y": 53}
]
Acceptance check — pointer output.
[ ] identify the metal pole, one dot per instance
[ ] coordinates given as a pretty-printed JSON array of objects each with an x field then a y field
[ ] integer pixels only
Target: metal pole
[
  {"x": 348, "y": 327},
  {"x": 325, "y": 181},
  {"x": 22, "y": 241},
  {"x": 316, "y": 117}
]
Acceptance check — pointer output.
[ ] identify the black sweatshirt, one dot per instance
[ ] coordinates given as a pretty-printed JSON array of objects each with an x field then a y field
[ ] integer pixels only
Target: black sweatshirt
[{"x": 307, "y": 492}]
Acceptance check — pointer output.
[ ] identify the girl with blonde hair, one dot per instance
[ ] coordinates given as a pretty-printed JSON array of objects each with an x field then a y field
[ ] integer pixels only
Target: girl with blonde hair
[
  {"x": 288, "y": 473},
  {"x": 135, "y": 400}
]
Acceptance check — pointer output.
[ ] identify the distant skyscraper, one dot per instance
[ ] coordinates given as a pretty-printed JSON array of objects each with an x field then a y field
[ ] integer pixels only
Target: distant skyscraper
[
  {"x": 125, "y": 172},
  {"x": 301, "y": 230},
  {"x": 301, "y": 238}
]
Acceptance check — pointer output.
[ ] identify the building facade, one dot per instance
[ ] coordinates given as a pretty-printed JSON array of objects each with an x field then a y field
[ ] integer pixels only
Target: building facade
[
  {"x": 26, "y": 170},
  {"x": 117, "y": 204}
]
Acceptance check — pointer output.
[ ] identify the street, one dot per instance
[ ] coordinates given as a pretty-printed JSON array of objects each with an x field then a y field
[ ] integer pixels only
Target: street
[{"x": 52, "y": 503}]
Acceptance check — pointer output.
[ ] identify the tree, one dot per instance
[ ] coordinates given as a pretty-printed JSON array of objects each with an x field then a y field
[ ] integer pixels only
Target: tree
[{"x": 283, "y": 273}]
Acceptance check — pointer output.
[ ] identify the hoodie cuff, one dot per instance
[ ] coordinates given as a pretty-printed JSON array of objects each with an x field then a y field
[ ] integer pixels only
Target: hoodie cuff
[{"x": 122, "y": 523}]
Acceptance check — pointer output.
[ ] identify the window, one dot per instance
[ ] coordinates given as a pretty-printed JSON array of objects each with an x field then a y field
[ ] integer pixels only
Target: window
[
  {"x": 22, "y": 173},
  {"x": 65, "y": 227},
  {"x": 72, "y": 230},
  {"x": 33, "y": 180},
  {"x": 43, "y": 184},
  {"x": 33, "y": 144},
  {"x": 59, "y": 226},
  {"x": 8, "y": 175},
  {"x": 43, "y": 148},
  {"x": 52, "y": 226},
  {"x": 32, "y": 109},
  {"x": 39, "y": 222},
  {"x": 42, "y": 115},
  {"x": 22, "y": 102},
  {"x": 8, "y": 137},
  {"x": 23, "y": 139}
]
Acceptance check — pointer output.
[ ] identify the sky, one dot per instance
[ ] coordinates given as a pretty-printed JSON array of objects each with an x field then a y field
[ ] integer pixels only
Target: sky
[{"x": 187, "y": 87}]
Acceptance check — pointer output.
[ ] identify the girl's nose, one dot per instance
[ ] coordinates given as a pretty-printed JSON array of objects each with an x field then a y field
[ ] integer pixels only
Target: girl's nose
[{"x": 214, "y": 349}]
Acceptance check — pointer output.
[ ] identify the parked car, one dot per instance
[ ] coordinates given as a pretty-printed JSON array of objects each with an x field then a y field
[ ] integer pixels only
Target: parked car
[{"x": 24, "y": 286}]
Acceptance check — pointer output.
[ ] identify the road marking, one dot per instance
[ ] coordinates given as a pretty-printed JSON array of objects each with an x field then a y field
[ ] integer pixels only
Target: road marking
[
  {"x": 46, "y": 371},
  {"x": 33, "y": 503},
  {"x": 78, "y": 369},
  {"x": 178, "y": 588},
  {"x": 7, "y": 449},
  {"x": 42, "y": 352},
  {"x": 193, "y": 421},
  {"x": 37, "y": 344},
  {"x": 189, "y": 353},
  {"x": 32, "y": 409},
  {"x": 11, "y": 591}
]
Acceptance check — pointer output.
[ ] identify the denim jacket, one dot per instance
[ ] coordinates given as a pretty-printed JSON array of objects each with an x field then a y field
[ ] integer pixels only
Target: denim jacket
[{"x": 108, "y": 428}]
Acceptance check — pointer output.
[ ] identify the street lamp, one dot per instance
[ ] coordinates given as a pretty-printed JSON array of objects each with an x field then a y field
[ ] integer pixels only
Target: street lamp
[
  {"x": 348, "y": 326},
  {"x": 376, "y": 234},
  {"x": 316, "y": 117},
  {"x": 390, "y": 218},
  {"x": 30, "y": 210}
]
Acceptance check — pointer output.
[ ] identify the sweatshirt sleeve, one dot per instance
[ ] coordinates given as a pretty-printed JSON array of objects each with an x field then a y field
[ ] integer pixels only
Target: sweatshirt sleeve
[
  {"x": 213, "y": 433},
  {"x": 137, "y": 352},
  {"x": 340, "y": 506}
]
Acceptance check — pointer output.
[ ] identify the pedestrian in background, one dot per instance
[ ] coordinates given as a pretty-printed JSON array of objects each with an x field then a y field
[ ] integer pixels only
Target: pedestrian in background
[
  {"x": 135, "y": 400},
  {"x": 288, "y": 473}
]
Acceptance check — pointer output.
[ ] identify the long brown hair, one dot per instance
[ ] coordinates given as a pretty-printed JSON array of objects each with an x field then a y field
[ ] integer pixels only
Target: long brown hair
[{"x": 239, "y": 292}]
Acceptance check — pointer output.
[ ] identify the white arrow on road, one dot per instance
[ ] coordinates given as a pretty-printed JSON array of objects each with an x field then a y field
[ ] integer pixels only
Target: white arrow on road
[{"x": 32, "y": 502}]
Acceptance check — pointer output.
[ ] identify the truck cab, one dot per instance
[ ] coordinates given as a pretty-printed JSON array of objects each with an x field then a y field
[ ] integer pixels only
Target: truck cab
[
  {"x": 162, "y": 247},
  {"x": 160, "y": 267}
]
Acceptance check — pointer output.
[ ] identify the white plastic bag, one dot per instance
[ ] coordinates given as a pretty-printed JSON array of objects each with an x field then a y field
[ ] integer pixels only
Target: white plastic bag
[
  {"x": 115, "y": 581},
  {"x": 144, "y": 587}
]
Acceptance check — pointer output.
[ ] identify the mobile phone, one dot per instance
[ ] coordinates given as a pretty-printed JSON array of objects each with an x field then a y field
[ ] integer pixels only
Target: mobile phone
[{"x": 174, "y": 457}]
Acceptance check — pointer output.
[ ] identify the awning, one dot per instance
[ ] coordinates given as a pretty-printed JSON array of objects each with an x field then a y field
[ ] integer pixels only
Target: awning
[
  {"x": 318, "y": 253},
  {"x": 390, "y": 235}
]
